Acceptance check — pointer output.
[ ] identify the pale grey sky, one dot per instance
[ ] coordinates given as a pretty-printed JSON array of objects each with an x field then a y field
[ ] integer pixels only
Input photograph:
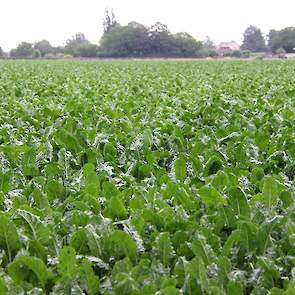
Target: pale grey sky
[{"x": 57, "y": 20}]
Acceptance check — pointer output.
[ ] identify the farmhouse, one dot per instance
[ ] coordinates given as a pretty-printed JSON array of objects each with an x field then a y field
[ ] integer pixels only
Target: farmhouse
[{"x": 225, "y": 48}]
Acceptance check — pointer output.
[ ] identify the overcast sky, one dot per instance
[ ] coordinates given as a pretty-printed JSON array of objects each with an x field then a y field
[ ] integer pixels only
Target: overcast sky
[{"x": 57, "y": 20}]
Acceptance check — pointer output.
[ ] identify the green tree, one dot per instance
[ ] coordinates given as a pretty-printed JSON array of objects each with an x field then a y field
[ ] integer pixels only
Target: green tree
[
  {"x": 1, "y": 52},
  {"x": 36, "y": 53},
  {"x": 253, "y": 40},
  {"x": 79, "y": 46},
  {"x": 123, "y": 41},
  {"x": 287, "y": 36},
  {"x": 207, "y": 49},
  {"x": 138, "y": 41},
  {"x": 44, "y": 47},
  {"x": 161, "y": 40},
  {"x": 23, "y": 50},
  {"x": 274, "y": 41},
  {"x": 284, "y": 38},
  {"x": 186, "y": 45},
  {"x": 88, "y": 50},
  {"x": 120, "y": 42}
]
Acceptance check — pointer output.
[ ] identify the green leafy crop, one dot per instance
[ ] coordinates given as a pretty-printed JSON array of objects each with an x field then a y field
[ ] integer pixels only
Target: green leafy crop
[{"x": 147, "y": 177}]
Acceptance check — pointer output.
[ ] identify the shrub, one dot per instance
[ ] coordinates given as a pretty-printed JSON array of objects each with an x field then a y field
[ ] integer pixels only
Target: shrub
[
  {"x": 236, "y": 53},
  {"x": 281, "y": 52},
  {"x": 36, "y": 53},
  {"x": 246, "y": 53}
]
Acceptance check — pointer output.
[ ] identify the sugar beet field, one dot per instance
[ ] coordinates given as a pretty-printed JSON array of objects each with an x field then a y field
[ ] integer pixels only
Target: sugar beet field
[{"x": 147, "y": 177}]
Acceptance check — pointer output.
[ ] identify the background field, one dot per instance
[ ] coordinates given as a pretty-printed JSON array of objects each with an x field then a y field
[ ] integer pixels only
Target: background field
[{"x": 137, "y": 177}]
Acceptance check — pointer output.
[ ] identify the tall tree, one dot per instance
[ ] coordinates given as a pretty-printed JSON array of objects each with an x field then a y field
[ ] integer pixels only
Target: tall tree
[
  {"x": 253, "y": 40},
  {"x": 284, "y": 38},
  {"x": 160, "y": 39},
  {"x": 1, "y": 52},
  {"x": 109, "y": 21},
  {"x": 123, "y": 41},
  {"x": 208, "y": 43},
  {"x": 186, "y": 45},
  {"x": 44, "y": 47}
]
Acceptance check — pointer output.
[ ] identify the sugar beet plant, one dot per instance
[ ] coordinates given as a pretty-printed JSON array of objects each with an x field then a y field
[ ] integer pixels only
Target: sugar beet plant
[{"x": 147, "y": 178}]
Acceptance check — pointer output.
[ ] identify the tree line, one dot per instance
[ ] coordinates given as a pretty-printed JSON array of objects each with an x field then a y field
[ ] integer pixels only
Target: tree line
[
  {"x": 137, "y": 40},
  {"x": 277, "y": 40}
]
